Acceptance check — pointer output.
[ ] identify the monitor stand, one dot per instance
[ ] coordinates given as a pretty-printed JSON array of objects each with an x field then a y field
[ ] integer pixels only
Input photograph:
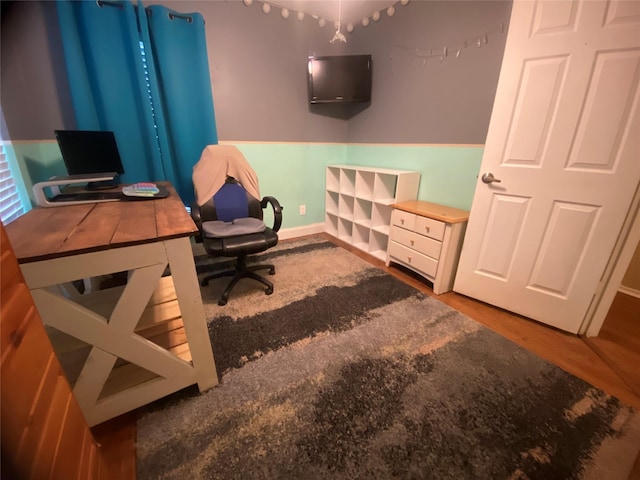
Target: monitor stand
[
  {"x": 102, "y": 184},
  {"x": 55, "y": 182}
]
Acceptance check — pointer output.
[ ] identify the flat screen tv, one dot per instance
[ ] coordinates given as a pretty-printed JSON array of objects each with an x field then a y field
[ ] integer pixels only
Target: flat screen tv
[
  {"x": 339, "y": 79},
  {"x": 90, "y": 151}
]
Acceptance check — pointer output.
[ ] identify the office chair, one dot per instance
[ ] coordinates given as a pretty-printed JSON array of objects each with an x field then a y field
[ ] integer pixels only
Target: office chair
[{"x": 230, "y": 225}]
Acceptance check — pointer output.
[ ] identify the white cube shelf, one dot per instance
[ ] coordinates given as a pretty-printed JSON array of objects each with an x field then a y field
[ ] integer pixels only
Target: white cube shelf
[{"x": 358, "y": 204}]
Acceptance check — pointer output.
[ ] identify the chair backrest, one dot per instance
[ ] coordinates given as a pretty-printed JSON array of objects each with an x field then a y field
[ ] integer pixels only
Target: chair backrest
[{"x": 231, "y": 201}]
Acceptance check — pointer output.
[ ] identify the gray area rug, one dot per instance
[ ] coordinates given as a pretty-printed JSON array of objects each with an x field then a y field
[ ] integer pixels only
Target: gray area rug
[{"x": 347, "y": 373}]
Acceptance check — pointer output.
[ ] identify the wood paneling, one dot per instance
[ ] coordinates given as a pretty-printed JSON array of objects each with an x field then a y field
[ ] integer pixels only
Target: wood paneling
[{"x": 43, "y": 431}]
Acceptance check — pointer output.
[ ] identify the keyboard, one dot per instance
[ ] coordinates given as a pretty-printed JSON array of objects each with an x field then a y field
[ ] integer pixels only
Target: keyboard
[{"x": 87, "y": 197}]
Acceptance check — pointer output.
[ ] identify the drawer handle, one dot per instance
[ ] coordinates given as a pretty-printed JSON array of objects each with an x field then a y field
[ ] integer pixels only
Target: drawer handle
[
  {"x": 402, "y": 221},
  {"x": 412, "y": 242},
  {"x": 408, "y": 259},
  {"x": 427, "y": 229}
]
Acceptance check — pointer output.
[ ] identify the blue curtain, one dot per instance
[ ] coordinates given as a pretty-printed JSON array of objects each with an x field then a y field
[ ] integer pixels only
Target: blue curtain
[{"x": 143, "y": 74}]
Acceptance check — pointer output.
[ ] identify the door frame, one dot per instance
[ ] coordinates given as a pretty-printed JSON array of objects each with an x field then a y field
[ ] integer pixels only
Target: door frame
[{"x": 615, "y": 270}]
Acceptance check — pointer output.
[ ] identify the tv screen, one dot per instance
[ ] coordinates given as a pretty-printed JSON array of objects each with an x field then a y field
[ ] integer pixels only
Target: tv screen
[
  {"x": 339, "y": 79},
  {"x": 88, "y": 151}
]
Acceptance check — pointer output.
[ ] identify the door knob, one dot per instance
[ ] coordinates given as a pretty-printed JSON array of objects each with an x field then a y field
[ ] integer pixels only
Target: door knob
[{"x": 489, "y": 178}]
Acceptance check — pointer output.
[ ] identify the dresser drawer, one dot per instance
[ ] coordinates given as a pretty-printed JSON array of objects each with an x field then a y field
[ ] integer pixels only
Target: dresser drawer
[
  {"x": 403, "y": 219},
  {"x": 416, "y": 261},
  {"x": 429, "y": 227},
  {"x": 422, "y": 244}
]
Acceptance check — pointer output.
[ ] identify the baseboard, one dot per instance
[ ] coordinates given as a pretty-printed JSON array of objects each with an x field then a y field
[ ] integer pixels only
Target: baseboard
[
  {"x": 288, "y": 233},
  {"x": 629, "y": 291}
]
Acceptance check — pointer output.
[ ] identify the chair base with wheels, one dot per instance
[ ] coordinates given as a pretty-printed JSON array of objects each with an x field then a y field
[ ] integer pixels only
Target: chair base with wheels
[{"x": 241, "y": 270}]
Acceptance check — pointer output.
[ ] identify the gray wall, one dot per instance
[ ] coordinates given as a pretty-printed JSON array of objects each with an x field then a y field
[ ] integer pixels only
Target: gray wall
[
  {"x": 448, "y": 102},
  {"x": 258, "y": 72},
  {"x": 34, "y": 91}
]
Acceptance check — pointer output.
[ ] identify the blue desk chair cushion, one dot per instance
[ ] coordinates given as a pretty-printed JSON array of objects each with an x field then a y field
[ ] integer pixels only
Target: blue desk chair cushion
[{"x": 239, "y": 226}]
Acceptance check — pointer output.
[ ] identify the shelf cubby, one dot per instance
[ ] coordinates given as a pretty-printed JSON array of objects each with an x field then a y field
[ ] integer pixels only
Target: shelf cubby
[
  {"x": 362, "y": 212},
  {"x": 333, "y": 179},
  {"x": 381, "y": 217},
  {"x": 378, "y": 245},
  {"x": 331, "y": 224},
  {"x": 361, "y": 237},
  {"x": 345, "y": 230},
  {"x": 332, "y": 202},
  {"x": 365, "y": 182},
  {"x": 348, "y": 182},
  {"x": 345, "y": 207},
  {"x": 385, "y": 188}
]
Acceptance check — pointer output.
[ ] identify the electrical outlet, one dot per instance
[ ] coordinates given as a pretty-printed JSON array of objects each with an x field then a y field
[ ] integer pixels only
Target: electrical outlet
[{"x": 303, "y": 209}]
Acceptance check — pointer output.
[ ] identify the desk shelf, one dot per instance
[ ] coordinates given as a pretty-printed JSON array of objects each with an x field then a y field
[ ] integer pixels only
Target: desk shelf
[{"x": 161, "y": 323}]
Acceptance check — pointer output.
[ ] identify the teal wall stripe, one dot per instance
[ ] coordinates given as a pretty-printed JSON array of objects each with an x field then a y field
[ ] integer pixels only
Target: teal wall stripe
[
  {"x": 294, "y": 173},
  {"x": 449, "y": 172},
  {"x": 38, "y": 161}
]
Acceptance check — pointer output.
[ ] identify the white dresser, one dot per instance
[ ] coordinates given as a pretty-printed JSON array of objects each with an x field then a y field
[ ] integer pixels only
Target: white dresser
[{"x": 427, "y": 238}]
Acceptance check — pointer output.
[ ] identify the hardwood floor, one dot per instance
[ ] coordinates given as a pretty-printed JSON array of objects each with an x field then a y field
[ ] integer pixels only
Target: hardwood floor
[
  {"x": 618, "y": 342},
  {"x": 117, "y": 440},
  {"x": 610, "y": 362}
]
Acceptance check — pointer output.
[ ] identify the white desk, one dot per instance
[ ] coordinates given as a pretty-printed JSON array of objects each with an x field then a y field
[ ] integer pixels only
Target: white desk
[{"x": 128, "y": 345}]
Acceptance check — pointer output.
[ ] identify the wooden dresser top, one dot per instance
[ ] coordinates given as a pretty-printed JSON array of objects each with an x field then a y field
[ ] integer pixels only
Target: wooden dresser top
[
  {"x": 53, "y": 232},
  {"x": 433, "y": 210}
]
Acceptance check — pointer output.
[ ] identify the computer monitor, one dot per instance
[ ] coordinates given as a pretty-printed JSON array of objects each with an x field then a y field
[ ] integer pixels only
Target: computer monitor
[{"x": 90, "y": 152}]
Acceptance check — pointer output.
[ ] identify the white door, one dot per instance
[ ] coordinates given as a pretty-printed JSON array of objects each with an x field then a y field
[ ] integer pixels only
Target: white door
[{"x": 564, "y": 143}]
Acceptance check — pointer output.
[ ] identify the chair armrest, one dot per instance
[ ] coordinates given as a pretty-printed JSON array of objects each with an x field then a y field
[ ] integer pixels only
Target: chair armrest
[
  {"x": 277, "y": 211},
  {"x": 197, "y": 219}
]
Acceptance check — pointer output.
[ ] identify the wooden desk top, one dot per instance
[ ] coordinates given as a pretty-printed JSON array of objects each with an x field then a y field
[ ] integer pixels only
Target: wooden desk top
[
  {"x": 433, "y": 210},
  {"x": 53, "y": 232}
]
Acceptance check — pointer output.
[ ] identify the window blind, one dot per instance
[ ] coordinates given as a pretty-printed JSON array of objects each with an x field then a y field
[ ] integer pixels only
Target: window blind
[{"x": 10, "y": 204}]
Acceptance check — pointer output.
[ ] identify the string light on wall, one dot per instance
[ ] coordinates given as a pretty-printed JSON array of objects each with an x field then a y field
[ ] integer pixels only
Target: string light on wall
[
  {"x": 350, "y": 27},
  {"x": 441, "y": 54}
]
